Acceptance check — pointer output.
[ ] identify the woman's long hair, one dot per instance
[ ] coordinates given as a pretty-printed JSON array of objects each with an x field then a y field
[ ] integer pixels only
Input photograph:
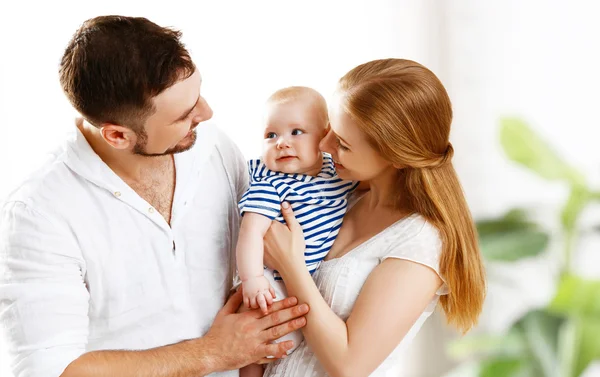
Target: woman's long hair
[{"x": 406, "y": 113}]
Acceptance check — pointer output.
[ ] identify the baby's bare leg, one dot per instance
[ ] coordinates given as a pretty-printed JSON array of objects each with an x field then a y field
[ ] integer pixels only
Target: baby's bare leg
[{"x": 252, "y": 370}]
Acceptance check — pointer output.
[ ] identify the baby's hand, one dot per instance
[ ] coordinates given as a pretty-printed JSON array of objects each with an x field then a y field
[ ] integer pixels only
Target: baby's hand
[{"x": 258, "y": 293}]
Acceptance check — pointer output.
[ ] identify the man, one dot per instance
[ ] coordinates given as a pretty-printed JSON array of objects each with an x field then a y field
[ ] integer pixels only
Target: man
[{"x": 116, "y": 257}]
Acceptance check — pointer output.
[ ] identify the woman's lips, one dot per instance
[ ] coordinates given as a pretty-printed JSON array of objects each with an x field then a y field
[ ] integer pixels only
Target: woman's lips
[{"x": 337, "y": 165}]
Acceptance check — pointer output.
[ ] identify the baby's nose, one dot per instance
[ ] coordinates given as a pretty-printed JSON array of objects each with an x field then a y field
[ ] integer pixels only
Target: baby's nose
[{"x": 282, "y": 142}]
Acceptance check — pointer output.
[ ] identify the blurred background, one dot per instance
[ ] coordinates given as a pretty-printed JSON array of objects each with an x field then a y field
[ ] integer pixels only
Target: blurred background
[{"x": 524, "y": 79}]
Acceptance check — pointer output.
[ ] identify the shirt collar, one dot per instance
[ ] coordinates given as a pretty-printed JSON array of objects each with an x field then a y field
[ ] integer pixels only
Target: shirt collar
[
  {"x": 81, "y": 158},
  {"x": 327, "y": 171}
]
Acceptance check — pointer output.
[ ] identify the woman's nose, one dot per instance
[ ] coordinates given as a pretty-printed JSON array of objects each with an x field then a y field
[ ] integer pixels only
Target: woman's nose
[{"x": 324, "y": 143}]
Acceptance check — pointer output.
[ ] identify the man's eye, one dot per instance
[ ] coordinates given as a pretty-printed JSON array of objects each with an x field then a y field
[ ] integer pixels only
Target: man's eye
[
  {"x": 270, "y": 135},
  {"x": 297, "y": 132}
]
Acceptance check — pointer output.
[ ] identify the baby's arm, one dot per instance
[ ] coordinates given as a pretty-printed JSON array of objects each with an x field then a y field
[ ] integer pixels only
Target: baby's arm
[{"x": 250, "y": 255}]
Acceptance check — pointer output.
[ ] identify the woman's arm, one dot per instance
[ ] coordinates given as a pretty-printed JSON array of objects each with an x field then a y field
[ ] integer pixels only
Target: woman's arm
[{"x": 391, "y": 301}]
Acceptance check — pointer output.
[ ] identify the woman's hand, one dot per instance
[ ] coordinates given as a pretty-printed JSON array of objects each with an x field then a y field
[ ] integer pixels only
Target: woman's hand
[{"x": 284, "y": 245}]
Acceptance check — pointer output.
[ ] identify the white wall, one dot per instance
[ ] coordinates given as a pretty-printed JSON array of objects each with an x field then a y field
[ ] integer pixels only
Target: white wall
[
  {"x": 534, "y": 59},
  {"x": 245, "y": 51}
]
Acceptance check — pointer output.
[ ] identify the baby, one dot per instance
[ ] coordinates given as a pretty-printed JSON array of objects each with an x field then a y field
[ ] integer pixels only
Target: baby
[{"x": 292, "y": 169}]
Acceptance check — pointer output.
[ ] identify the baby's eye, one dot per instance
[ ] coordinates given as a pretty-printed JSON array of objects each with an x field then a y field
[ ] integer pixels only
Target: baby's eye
[
  {"x": 270, "y": 135},
  {"x": 297, "y": 132}
]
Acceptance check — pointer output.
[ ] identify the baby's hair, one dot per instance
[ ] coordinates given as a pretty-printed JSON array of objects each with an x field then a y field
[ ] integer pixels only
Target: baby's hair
[{"x": 302, "y": 93}]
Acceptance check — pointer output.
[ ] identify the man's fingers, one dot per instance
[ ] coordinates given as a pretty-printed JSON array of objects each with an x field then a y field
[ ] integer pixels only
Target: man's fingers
[
  {"x": 265, "y": 360},
  {"x": 282, "y": 316},
  {"x": 284, "y": 304},
  {"x": 247, "y": 302},
  {"x": 234, "y": 302},
  {"x": 277, "y": 306},
  {"x": 277, "y": 350},
  {"x": 276, "y": 332}
]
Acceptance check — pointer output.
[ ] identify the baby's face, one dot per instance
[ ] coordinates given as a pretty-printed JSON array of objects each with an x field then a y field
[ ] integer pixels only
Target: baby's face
[{"x": 292, "y": 134}]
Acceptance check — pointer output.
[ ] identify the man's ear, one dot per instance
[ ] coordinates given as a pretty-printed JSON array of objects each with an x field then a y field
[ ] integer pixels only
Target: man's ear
[{"x": 119, "y": 137}]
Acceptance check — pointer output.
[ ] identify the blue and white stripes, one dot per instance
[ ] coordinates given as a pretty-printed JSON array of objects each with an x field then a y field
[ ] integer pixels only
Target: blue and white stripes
[{"x": 319, "y": 203}]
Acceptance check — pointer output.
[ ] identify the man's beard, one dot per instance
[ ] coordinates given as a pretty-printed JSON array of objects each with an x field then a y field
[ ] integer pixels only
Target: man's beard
[{"x": 142, "y": 139}]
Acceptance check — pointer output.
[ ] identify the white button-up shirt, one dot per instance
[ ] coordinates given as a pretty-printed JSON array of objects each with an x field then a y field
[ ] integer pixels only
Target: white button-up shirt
[{"x": 87, "y": 264}]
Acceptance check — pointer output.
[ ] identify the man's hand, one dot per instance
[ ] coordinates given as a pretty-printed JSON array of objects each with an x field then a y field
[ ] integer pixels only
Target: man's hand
[
  {"x": 258, "y": 293},
  {"x": 238, "y": 339}
]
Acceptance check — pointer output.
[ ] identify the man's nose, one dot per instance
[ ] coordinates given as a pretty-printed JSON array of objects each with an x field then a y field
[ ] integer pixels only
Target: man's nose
[{"x": 203, "y": 111}]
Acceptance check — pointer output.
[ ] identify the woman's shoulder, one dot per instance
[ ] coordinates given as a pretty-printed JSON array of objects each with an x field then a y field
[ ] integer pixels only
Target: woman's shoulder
[
  {"x": 413, "y": 230},
  {"x": 415, "y": 239}
]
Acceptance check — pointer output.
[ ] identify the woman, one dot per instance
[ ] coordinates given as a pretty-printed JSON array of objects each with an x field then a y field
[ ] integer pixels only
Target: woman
[{"x": 405, "y": 244}]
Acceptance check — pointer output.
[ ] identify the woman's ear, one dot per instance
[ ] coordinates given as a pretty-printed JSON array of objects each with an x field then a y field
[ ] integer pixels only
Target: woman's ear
[{"x": 399, "y": 166}]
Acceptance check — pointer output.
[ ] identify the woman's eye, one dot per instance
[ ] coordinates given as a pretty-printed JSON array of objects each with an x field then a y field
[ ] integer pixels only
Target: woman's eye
[
  {"x": 341, "y": 146},
  {"x": 270, "y": 135},
  {"x": 297, "y": 132}
]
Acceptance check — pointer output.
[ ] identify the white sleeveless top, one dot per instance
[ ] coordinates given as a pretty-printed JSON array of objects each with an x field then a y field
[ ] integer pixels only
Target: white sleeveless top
[{"x": 340, "y": 281}]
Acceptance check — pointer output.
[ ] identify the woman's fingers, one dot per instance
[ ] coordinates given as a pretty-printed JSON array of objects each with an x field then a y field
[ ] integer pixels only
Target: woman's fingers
[{"x": 288, "y": 216}]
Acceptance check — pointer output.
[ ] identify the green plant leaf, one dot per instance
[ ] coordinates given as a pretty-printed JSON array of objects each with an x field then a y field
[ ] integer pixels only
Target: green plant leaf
[
  {"x": 589, "y": 344},
  {"x": 522, "y": 145},
  {"x": 506, "y": 367},
  {"x": 510, "y": 237},
  {"x": 578, "y": 199},
  {"x": 466, "y": 369},
  {"x": 577, "y": 296},
  {"x": 511, "y": 344},
  {"x": 580, "y": 345},
  {"x": 541, "y": 331},
  {"x": 567, "y": 341},
  {"x": 515, "y": 219},
  {"x": 513, "y": 245}
]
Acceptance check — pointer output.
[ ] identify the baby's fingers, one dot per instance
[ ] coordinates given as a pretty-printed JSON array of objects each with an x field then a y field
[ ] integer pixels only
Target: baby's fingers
[{"x": 262, "y": 302}]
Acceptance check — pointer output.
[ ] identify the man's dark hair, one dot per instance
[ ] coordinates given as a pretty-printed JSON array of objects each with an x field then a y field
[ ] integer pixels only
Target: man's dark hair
[{"x": 114, "y": 65}]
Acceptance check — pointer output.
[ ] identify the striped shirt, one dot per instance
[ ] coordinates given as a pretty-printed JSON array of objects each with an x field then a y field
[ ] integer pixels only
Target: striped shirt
[{"x": 319, "y": 203}]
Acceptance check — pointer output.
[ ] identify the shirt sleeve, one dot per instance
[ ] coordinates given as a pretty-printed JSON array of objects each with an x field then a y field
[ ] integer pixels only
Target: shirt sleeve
[
  {"x": 423, "y": 246},
  {"x": 261, "y": 198},
  {"x": 43, "y": 297},
  {"x": 236, "y": 165},
  {"x": 241, "y": 172}
]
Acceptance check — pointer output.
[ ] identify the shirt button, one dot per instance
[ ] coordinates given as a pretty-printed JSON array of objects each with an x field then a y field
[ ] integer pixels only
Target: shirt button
[
  {"x": 151, "y": 210},
  {"x": 117, "y": 194}
]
